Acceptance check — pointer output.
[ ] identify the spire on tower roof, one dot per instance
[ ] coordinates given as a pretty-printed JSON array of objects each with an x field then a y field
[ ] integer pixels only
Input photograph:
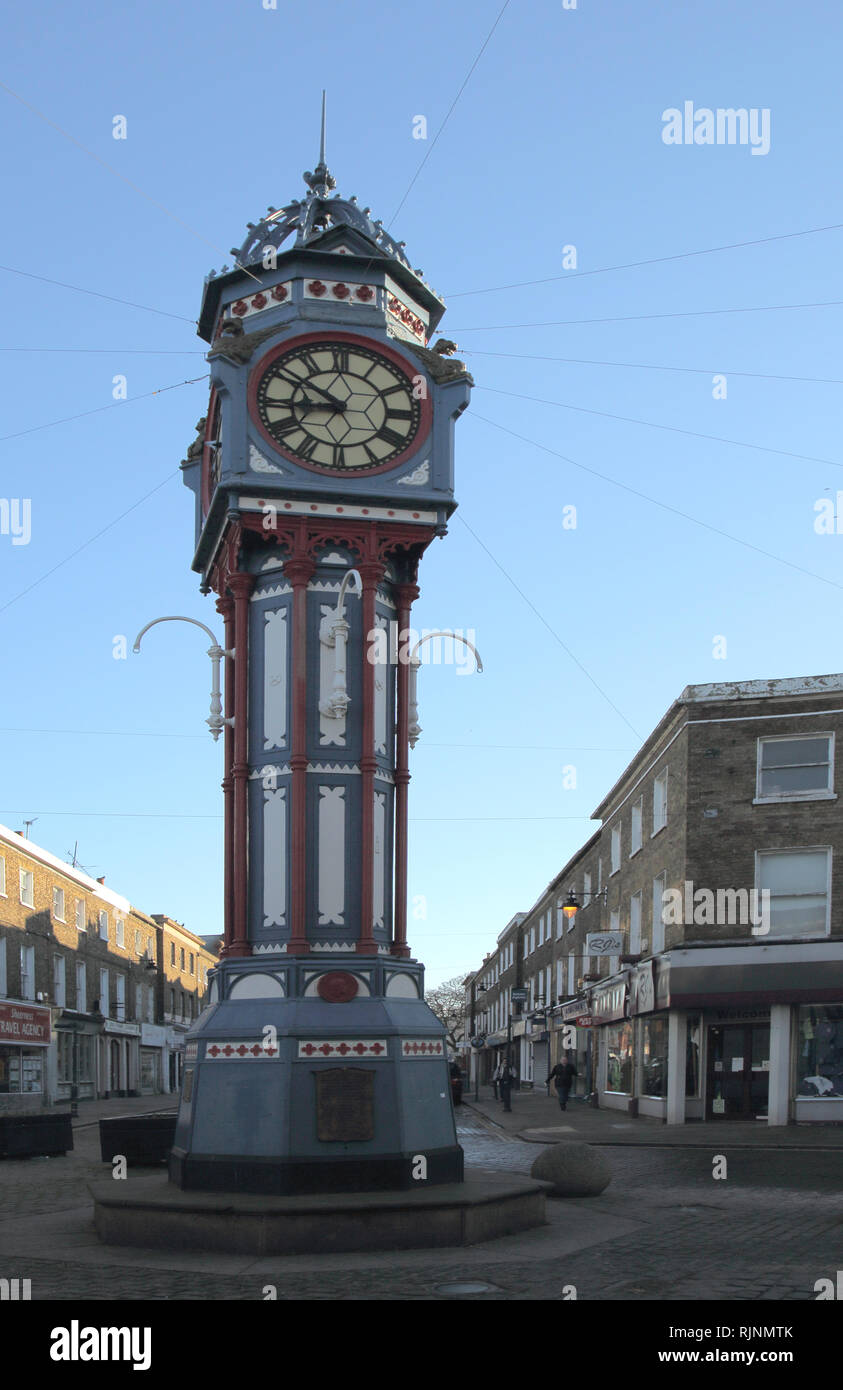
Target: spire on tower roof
[{"x": 321, "y": 181}]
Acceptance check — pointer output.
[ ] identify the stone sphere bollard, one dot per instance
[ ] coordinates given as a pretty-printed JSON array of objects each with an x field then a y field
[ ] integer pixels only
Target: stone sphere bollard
[{"x": 576, "y": 1170}]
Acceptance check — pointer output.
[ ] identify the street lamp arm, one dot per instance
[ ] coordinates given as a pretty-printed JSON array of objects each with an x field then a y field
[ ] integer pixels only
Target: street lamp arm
[
  {"x": 415, "y": 663},
  {"x": 215, "y": 722}
]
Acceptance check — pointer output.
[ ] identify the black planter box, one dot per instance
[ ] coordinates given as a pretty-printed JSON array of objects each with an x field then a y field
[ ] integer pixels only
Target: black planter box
[
  {"x": 23, "y": 1136},
  {"x": 139, "y": 1138}
]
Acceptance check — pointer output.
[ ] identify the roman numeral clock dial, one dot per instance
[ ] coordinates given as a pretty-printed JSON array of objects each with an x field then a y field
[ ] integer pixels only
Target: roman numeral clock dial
[{"x": 339, "y": 407}]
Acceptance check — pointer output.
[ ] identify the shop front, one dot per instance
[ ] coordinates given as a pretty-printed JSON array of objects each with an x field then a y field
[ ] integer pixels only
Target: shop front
[
  {"x": 76, "y": 1043},
  {"x": 27, "y": 1078},
  {"x": 572, "y": 1037},
  {"x": 616, "y": 1056},
  {"x": 760, "y": 1028},
  {"x": 152, "y": 1041},
  {"x": 119, "y": 1059}
]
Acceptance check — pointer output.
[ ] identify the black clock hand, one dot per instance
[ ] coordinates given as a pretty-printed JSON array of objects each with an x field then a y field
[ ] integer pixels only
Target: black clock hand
[{"x": 337, "y": 404}]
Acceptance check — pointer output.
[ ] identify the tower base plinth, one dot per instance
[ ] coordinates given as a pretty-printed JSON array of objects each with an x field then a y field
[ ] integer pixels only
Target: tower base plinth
[{"x": 152, "y": 1213}]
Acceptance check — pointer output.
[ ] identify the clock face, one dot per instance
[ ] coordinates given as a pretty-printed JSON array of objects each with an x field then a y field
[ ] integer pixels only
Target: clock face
[{"x": 339, "y": 406}]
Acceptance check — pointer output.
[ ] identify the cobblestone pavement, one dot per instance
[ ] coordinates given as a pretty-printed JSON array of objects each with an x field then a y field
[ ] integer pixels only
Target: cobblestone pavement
[{"x": 664, "y": 1230}]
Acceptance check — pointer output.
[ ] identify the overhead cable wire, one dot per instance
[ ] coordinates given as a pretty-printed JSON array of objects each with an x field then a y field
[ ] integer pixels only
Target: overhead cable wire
[{"x": 656, "y": 502}]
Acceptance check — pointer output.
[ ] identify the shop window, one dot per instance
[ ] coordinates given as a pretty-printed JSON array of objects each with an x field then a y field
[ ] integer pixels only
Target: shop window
[
  {"x": 654, "y": 1057},
  {"x": 790, "y": 768},
  {"x": 798, "y": 884},
  {"x": 693, "y": 1049},
  {"x": 21, "y": 1071},
  {"x": 819, "y": 1064},
  {"x": 64, "y": 1044},
  {"x": 619, "y": 1049}
]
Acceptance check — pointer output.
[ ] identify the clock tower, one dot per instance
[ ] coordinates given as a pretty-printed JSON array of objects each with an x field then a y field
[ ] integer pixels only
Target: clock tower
[{"x": 322, "y": 472}]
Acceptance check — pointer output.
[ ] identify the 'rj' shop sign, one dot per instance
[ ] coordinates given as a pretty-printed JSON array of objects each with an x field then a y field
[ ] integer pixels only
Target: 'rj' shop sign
[{"x": 24, "y": 1023}]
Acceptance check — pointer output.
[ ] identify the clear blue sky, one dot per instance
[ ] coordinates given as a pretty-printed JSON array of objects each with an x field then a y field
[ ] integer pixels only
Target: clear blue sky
[{"x": 555, "y": 141}]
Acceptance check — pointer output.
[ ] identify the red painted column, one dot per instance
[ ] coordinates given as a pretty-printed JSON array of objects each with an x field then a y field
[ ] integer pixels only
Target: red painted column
[
  {"x": 241, "y": 586},
  {"x": 371, "y": 573},
  {"x": 298, "y": 570},
  {"x": 405, "y": 595},
  {"x": 225, "y": 606}
]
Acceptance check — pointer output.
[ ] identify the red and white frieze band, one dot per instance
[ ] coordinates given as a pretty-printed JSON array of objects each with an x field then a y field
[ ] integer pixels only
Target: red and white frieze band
[
  {"x": 343, "y": 1047},
  {"x": 323, "y": 1049}
]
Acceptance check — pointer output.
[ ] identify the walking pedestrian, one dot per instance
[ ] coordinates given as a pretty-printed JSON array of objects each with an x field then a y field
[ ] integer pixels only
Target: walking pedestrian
[
  {"x": 562, "y": 1077},
  {"x": 506, "y": 1083},
  {"x": 496, "y": 1076}
]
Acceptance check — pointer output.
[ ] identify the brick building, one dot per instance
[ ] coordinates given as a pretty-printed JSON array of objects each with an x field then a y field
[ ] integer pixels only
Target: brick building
[
  {"x": 718, "y": 871},
  {"x": 83, "y": 1002}
]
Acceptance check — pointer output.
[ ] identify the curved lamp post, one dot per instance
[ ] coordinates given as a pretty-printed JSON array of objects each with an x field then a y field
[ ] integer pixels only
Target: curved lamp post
[
  {"x": 415, "y": 663},
  {"x": 215, "y": 722},
  {"x": 333, "y": 632}
]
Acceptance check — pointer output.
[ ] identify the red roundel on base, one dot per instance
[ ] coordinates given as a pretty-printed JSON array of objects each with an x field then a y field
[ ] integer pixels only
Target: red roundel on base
[{"x": 337, "y": 987}]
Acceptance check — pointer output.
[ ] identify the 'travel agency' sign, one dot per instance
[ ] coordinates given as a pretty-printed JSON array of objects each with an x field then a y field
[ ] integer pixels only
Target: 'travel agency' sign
[{"x": 24, "y": 1023}]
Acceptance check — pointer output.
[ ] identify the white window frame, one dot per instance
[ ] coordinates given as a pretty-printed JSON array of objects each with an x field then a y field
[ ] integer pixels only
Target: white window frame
[
  {"x": 572, "y": 980},
  {"x": 660, "y": 781},
  {"x": 59, "y": 982},
  {"x": 771, "y": 798},
  {"x": 27, "y": 971},
  {"x": 614, "y": 926},
  {"x": 3, "y": 974},
  {"x": 103, "y": 923},
  {"x": 120, "y": 932},
  {"x": 636, "y": 823},
  {"x": 27, "y": 881},
  {"x": 58, "y": 896},
  {"x": 3, "y": 893},
  {"x": 615, "y": 862},
  {"x": 81, "y": 987},
  {"x": 760, "y": 854},
  {"x": 80, "y": 904},
  {"x": 105, "y": 993},
  {"x": 635, "y": 924},
  {"x": 657, "y": 922}
]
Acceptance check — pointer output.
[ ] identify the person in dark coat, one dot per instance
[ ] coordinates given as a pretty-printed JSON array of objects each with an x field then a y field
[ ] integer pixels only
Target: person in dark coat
[
  {"x": 506, "y": 1083},
  {"x": 562, "y": 1076}
]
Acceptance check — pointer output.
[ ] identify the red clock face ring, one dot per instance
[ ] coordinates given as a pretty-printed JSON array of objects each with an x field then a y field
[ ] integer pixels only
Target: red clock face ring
[{"x": 339, "y": 404}]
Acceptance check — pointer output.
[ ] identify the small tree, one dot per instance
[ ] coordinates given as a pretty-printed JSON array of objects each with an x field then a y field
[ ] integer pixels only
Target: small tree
[{"x": 447, "y": 1002}]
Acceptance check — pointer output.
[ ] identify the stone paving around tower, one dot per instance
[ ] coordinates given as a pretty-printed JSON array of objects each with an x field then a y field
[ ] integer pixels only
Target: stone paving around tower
[{"x": 665, "y": 1229}]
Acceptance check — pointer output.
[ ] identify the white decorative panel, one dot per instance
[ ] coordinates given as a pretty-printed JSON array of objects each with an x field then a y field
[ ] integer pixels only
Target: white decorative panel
[
  {"x": 256, "y": 987},
  {"x": 382, "y": 676},
  {"x": 331, "y": 856},
  {"x": 331, "y": 729},
  {"x": 378, "y": 859},
  {"x": 275, "y": 678},
  {"x": 402, "y": 987},
  {"x": 274, "y": 858}
]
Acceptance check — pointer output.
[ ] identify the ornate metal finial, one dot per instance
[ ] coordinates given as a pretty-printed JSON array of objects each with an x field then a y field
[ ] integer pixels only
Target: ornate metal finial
[{"x": 320, "y": 181}]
